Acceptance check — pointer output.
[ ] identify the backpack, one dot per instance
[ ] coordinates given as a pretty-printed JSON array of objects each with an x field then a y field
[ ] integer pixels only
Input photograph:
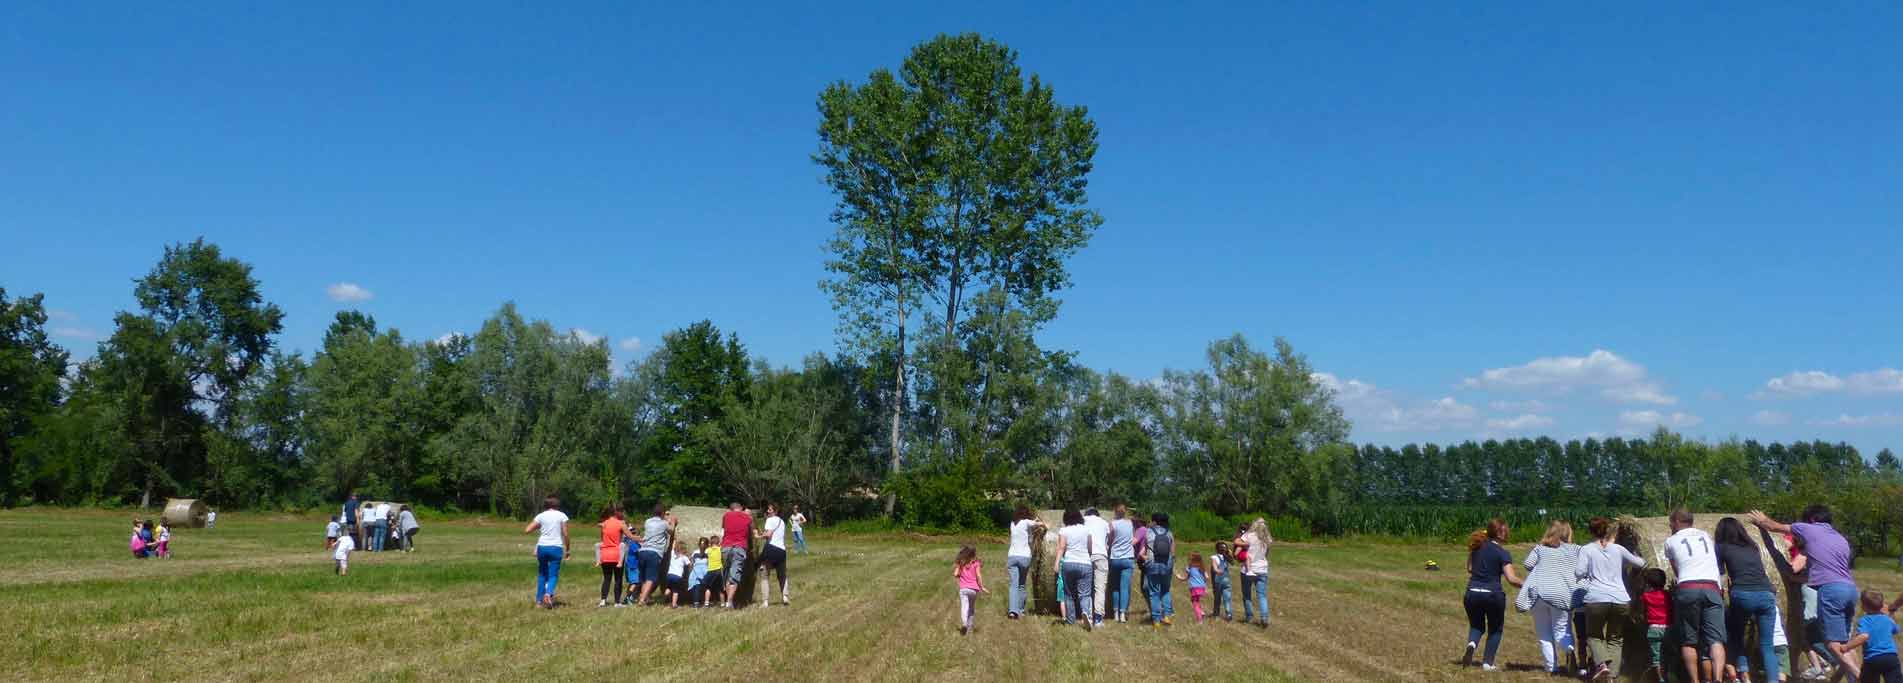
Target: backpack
[{"x": 1162, "y": 543}]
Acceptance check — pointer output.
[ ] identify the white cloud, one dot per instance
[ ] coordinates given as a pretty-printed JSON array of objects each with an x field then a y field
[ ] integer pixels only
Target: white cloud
[
  {"x": 60, "y": 314},
  {"x": 1878, "y": 420},
  {"x": 1813, "y": 382},
  {"x": 1532, "y": 405},
  {"x": 1616, "y": 378},
  {"x": 1880, "y": 381},
  {"x": 349, "y": 293},
  {"x": 631, "y": 344},
  {"x": 448, "y": 337},
  {"x": 1379, "y": 410},
  {"x": 1519, "y": 423},
  {"x": 1799, "y": 384},
  {"x": 1647, "y": 419},
  {"x": 585, "y": 336},
  {"x": 1770, "y": 418},
  {"x": 75, "y": 332}
]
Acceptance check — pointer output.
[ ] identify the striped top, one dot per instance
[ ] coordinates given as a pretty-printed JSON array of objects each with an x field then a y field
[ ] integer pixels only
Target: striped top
[{"x": 1550, "y": 574}]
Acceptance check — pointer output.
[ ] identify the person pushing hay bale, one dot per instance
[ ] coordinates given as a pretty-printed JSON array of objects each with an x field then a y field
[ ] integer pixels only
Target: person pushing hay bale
[
  {"x": 1645, "y": 537},
  {"x": 185, "y": 512}
]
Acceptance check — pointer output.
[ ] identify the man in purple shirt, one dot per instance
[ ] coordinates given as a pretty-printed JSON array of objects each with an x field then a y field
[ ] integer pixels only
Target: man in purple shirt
[{"x": 1829, "y": 556}]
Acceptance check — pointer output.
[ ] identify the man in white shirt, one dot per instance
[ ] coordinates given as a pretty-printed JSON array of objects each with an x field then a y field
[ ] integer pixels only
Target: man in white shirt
[
  {"x": 774, "y": 555},
  {"x": 1099, "y": 530},
  {"x": 1698, "y": 608},
  {"x": 551, "y": 548}
]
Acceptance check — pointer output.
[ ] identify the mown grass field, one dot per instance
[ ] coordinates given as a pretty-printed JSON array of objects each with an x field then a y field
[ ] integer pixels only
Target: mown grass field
[{"x": 255, "y": 599}]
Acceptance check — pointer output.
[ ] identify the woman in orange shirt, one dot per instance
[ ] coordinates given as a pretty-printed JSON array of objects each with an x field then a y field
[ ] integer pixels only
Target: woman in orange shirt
[{"x": 614, "y": 532}]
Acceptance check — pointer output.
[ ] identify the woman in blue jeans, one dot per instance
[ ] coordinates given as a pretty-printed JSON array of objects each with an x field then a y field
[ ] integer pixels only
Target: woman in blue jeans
[
  {"x": 1017, "y": 558},
  {"x": 1753, "y": 597},
  {"x": 551, "y": 548},
  {"x": 1255, "y": 540},
  {"x": 1073, "y": 559},
  {"x": 1159, "y": 570},
  {"x": 1122, "y": 562}
]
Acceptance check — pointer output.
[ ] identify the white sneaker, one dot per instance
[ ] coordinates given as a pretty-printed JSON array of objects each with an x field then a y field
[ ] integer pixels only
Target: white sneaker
[
  {"x": 603, "y": 603},
  {"x": 1488, "y": 667}
]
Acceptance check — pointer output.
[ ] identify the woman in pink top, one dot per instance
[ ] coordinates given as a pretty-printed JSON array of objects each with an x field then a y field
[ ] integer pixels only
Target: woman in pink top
[{"x": 971, "y": 582}]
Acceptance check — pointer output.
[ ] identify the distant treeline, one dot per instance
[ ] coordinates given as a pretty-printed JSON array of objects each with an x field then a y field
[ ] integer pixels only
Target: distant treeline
[{"x": 191, "y": 397}]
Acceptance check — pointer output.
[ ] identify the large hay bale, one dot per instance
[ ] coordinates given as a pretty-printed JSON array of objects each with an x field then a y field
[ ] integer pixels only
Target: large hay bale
[
  {"x": 1646, "y": 536},
  {"x": 694, "y": 522},
  {"x": 185, "y": 512},
  {"x": 1043, "y": 583}
]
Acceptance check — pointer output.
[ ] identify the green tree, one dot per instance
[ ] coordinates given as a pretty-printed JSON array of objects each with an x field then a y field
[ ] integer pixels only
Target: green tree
[
  {"x": 363, "y": 411},
  {"x": 1238, "y": 433},
  {"x": 209, "y": 310},
  {"x": 955, "y": 172},
  {"x": 31, "y": 367},
  {"x": 692, "y": 379}
]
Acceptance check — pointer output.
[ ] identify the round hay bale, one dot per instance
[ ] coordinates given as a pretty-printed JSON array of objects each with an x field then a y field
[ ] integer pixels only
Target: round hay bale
[
  {"x": 1645, "y": 537},
  {"x": 185, "y": 512},
  {"x": 695, "y": 522}
]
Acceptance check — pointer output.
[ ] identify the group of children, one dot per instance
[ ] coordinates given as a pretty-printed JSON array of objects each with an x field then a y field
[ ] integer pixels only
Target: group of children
[
  {"x": 150, "y": 541},
  {"x": 698, "y": 576}
]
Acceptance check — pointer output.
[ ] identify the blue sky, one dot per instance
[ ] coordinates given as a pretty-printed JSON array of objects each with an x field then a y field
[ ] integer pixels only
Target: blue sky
[{"x": 1478, "y": 221}]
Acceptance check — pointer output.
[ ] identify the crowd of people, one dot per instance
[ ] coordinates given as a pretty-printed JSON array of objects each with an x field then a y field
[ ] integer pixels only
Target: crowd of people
[
  {"x": 655, "y": 564},
  {"x": 1716, "y": 608},
  {"x": 371, "y": 528},
  {"x": 1096, "y": 561}
]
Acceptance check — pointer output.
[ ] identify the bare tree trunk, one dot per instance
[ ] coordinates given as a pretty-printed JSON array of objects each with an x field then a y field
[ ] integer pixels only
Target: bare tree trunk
[
  {"x": 145, "y": 500},
  {"x": 898, "y": 403}
]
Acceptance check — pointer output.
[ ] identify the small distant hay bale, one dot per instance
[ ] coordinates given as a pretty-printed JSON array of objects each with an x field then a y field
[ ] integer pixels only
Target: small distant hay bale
[
  {"x": 185, "y": 513},
  {"x": 1645, "y": 537}
]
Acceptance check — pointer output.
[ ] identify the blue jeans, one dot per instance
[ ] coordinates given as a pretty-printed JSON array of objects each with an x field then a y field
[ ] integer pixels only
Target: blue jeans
[
  {"x": 548, "y": 568},
  {"x": 1760, "y": 607},
  {"x": 1019, "y": 569},
  {"x": 799, "y": 541},
  {"x": 1836, "y": 607},
  {"x": 632, "y": 565},
  {"x": 1120, "y": 571},
  {"x": 1255, "y": 597},
  {"x": 1156, "y": 580},
  {"x": 1077, "y": 581},
  {"x": 1219, "y": 594},
  {"x": 378, "y": 532}
]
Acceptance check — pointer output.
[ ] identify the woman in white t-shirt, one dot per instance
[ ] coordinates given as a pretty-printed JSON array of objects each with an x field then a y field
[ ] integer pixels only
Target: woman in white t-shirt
[
  {"x": 774, "y": 555},
  {"x": 799, "y": 530},
  {"x": 1073, "y": 560},
  {"x": 551, "y": 547},
  {"x": 1255, "y": 573},
  {"x": 1017, "y": 559}
]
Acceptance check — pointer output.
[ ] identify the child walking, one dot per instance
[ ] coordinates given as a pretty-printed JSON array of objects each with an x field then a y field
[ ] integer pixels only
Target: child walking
[
  {"x": 1219, "y": 583},
  {"x": 1876, "y": 634},
  {"x": 1658, "y": 616},
  {"x": 1198, "y": 583},
  {"x": 341, "y": 553},
  {"x": 969, "y": 572}
]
